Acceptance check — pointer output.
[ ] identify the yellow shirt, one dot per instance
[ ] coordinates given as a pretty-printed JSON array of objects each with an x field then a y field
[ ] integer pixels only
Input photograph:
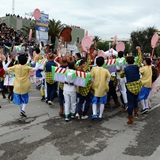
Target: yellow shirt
[
  {"x": 39, "y": 56},
  {"x": 100, "y": 84},
  {"x": 146, "y": 73},
  {"x": 21, "y": 82}
]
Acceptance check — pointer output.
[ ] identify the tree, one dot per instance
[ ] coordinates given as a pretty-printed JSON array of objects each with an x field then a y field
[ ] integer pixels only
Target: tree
[
  {"x": 143, "y": 38},
  {"x": 96, "y": 38},
  {"x": 26, "y": 28},
  {"x": 54, "y": 29},
  {"x": 103, "y": 45}
]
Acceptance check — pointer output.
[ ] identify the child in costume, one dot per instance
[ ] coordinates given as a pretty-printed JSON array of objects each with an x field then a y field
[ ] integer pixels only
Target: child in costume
[
  {"x": 99, "y": 87},
  {"x": 120, "y": 64},
  {"x": 32, "y": 74},
  {"x": 146, "y": 79},
  {"x": 38, "y": 57},
  {"x": 77, "y": 57},
  {"x": 133, "y": 84},
  {"x": 84, "y": 92},
  {"x": 8, "y": 81},
  {"x": 21, "y": 82},
  {"x": 112, "y": 88},
  {"x": 41, "y": 86},
  {"x": 112, "y": 91},
  {"x": 69, "y": 92},
  {"x": 2, "y": 73},
  {"x": 51, "y": 84},
  {"x": 62, "y": 62}
]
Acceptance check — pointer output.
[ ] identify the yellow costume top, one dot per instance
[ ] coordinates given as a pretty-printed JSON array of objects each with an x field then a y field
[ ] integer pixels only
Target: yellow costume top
[
  {"x": 38, "y": 56},
  {"x": 100, "y": 84},
  {"x": 21, "y": 82},
  {"x": 146, "y": 79}
]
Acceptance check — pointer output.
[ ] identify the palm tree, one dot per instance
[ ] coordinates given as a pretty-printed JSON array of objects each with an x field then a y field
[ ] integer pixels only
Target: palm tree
[
  {"x": 26, "y": 28},
  {"x": 54, "y": 29},
  {"x": 96, "y": 38}
]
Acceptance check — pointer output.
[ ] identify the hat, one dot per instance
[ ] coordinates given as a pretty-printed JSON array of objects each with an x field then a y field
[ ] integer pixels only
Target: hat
[
  {"x": 51, "y": 57},
  {"x": 63, "y": 61}
]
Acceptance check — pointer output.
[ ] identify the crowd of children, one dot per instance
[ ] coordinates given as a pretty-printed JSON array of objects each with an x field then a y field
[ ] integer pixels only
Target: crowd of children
[{"x": 133, "y": 79}]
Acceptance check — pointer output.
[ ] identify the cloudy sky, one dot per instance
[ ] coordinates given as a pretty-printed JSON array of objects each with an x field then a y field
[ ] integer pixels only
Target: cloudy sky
[{"x": 103, "y": 18}]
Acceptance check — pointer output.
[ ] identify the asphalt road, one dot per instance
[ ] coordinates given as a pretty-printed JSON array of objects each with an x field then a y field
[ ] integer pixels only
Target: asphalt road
[{"x": 44, "y": 135}]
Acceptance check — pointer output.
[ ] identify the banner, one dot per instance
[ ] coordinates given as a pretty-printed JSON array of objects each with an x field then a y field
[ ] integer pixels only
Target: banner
[
  {"x": 42, "y": 28},
  {"x": 78, "y": 78}
]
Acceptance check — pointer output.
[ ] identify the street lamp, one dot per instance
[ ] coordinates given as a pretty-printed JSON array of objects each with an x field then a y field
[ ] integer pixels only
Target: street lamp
[{"x": 13, "y": 4}]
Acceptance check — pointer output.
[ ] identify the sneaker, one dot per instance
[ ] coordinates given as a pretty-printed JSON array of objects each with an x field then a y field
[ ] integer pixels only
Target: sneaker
[
  {"x": 23, "y": 113},
  {"x": 77, "y": 116},
  {"x": 8, "y": 99},
  {"x": 66, "y": 119},
  {"x": 50, "y": 103},
  {"x": 143, "y": 111},
  {"x": 84, "y": 117},
  {"x": 100, "y": 118},
  {"x": 93, "y": 117},
  {"x": 46, "y": 100},
  {"x": 43, "y": 99},
  {"x": 73, "y": 117},
  {"x": 126, "y": 107}
]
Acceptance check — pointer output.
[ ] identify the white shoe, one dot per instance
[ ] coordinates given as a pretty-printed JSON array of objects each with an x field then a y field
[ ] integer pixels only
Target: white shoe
[
  {"x": 66, "y": 119},
  {"x": 84, "y": 117},
  {"x": 50, "y": 103},
  {"x": 77, "y": 116}
]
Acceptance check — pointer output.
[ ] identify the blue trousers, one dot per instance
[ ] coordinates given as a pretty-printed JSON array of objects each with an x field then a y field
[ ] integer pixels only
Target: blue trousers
[
  {"x": 51, "y": 91},
  {"x": 112, "y": 92},
  {"x": 60, "y": 97},
  {"x": 1, "y": 85},
  {"x": 20, "y": 98},
  {"x": 87, "y": 104},
  {"x": 132, "y": 102}
]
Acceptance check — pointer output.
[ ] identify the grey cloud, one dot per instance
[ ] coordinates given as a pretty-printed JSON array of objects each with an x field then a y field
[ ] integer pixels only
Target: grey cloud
[{"x": 102, "y": 18}]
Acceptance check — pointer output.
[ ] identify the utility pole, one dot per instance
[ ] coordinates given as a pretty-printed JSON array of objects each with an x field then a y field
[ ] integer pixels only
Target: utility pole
[{"x": 13, "y": 3}]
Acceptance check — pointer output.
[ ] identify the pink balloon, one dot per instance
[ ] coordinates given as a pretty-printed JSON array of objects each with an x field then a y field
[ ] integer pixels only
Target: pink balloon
[
  {"x": 115, "y": 39},
  {"x": 86, "y": 34},
  {"x": 86, "y": 43},
  {"x": 91, "y": 37},
  {"x": 120, "y": 47},
  {"x": 101, "y": 54},
  {"x": 36, "y": 14},
  {"x": 2, "y": 57},
  {"x": 154, "y": 40},
  {"x": 30, "y": 34}
]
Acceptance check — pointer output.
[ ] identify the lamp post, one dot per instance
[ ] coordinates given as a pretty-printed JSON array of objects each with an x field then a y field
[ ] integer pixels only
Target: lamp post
[{"x": 13, "y": 4}]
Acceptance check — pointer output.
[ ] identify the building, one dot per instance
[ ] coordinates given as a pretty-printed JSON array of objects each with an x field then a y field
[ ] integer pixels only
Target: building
[
  {"x": 77, "y": 36},
  {"x": 16, "y": 22},
  {"x": 125, "y": 40}
]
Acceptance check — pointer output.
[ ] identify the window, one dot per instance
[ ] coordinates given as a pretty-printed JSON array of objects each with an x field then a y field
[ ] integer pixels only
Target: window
[{"x": 77, "y": 39}]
